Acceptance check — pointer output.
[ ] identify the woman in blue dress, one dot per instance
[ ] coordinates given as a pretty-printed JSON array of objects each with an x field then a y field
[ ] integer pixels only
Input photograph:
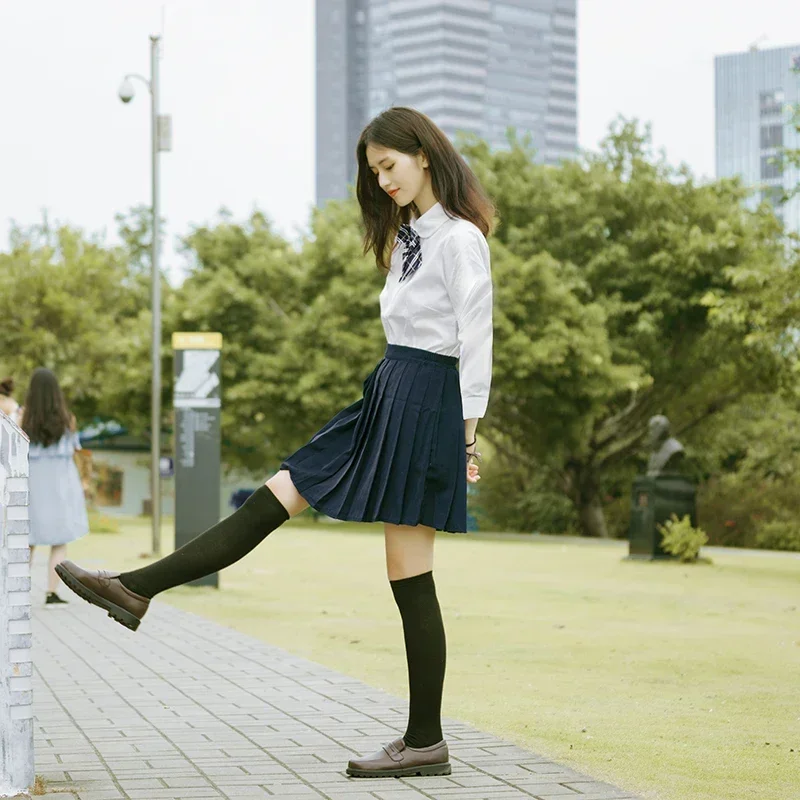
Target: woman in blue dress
[
  {"x": 401, "y": 453},
  {"x": 57, "y": 506}
]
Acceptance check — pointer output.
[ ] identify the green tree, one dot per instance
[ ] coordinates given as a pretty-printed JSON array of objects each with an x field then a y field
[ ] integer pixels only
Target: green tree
[
  {"x": 293, "y": 323},
  {"x": 135, "y": 228},
  {"x": 73, "y": 304},
  {"x": 751, "y": 455},
  {"x": 335, "y": 339},
  {"x": 624, "y": 289}
]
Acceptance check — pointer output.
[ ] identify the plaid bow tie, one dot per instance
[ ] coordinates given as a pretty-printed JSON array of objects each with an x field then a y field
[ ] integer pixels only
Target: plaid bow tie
[{"x": 412, "y": 250}]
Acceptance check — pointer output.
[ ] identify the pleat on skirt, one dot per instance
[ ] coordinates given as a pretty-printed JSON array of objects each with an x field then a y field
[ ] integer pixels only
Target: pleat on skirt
[{"x": 397, "y": 454}]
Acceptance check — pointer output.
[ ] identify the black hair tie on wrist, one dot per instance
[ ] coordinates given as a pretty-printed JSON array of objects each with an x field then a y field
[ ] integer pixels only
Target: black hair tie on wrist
[{"x": 475, "y": 441}]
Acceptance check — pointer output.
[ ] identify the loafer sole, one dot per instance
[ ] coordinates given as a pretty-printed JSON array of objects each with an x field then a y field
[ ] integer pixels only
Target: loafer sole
[
  {"x": 404, "y": 772},
  {"x": 130, "y": 621}
]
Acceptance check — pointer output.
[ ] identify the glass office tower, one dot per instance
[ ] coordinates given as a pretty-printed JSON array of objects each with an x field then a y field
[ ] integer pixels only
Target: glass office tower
[
  {"x": 754, "y": 93},
  {"x": 477, "y": 66}
]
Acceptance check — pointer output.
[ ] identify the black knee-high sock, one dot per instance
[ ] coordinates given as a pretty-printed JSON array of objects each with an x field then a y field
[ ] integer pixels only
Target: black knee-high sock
[
  {"x": 213, "y": 550},
  {"x": 426, "y": 655}
]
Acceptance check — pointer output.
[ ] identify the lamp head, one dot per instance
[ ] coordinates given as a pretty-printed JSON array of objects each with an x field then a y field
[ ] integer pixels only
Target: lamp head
[{"x": 126, "y": 91}]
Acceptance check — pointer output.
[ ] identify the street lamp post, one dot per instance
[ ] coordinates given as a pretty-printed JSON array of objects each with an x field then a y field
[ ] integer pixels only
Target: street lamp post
[{"x": 160, "y": 131}]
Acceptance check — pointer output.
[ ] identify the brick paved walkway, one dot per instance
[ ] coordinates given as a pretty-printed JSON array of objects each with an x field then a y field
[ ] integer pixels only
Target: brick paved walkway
[{"x": 185, "y": 708}]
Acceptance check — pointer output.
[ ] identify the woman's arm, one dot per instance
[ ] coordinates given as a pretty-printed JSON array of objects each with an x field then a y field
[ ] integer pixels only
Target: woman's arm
[
  {"x": 470, "y": 428},
  {"x": 469, "y": 284}
]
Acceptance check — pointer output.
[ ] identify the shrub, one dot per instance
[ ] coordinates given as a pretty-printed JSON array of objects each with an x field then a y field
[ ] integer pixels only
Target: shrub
[
  {"x": 513, "y": 498},
  {"x": 733, "y": 508},
  {"x": 778, "y": 534},
  {"x": 101, "y": 523},
  {"x": 617, "y": 511},
  {"x": 680, "y": 538}
]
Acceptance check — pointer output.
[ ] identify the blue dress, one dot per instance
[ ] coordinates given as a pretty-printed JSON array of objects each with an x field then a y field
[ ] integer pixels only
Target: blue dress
[{"x": 57, "y": 505}]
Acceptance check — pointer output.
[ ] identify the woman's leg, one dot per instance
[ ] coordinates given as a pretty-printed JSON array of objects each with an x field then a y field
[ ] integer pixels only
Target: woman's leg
[
  {"x": 224, "y": 543},
  {"x": 58, "y": 552},
  {"x": 409, "y": 564},
  {"x": 281, "y": 486}
]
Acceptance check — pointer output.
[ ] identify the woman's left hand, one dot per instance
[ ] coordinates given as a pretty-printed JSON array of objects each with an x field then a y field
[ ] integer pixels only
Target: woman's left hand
[{"x": 472, "y": 472}]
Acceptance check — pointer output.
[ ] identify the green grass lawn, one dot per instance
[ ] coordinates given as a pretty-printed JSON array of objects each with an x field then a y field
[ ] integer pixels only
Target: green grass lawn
[{"x": 677, "y": 682}]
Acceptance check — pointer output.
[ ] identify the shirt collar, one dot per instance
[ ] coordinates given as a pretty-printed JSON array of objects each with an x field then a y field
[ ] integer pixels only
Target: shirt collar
[{"x": 430, "y": 221}]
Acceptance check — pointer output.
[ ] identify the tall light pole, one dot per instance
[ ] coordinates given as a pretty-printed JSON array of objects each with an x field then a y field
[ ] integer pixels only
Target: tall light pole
[{"x": 160, "y": 136}]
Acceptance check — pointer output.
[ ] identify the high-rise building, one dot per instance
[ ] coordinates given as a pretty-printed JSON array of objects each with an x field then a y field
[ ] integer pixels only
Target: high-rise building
[
  {"x": 476, "y": 66},
  {"x": 754, "y": 95}
]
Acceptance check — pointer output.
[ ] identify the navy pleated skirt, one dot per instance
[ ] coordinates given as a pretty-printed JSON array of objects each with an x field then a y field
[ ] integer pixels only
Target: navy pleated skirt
[{"x": 396, "y": 455}]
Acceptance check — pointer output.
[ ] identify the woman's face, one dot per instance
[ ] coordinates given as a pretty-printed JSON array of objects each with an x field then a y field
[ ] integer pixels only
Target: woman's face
[{"x": 401, "y": 176}]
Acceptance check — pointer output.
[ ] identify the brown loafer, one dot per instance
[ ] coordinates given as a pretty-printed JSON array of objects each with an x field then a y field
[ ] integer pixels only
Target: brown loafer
[
  {"x": 104, "y": 589},
  {"x": 395, "y": 760}
]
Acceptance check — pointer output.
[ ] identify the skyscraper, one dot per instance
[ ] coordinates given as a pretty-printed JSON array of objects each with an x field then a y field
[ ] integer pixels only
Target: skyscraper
[
  {"x": 753, "y": 95},
  {"x": 471, "y": 65}
]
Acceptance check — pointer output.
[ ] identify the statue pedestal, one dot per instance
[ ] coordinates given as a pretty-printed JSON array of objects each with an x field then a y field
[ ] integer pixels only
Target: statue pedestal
[{"x": 653, "y": 501}]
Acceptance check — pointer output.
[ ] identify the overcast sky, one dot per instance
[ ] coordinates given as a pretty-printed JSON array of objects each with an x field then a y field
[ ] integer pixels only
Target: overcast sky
[{"x": 238, "y": 80}]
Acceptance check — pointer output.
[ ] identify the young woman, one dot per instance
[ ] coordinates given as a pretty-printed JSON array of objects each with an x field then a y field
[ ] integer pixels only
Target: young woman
[
  {"x": 56, "y": 503},
  {"x": 400, "y": 454}
]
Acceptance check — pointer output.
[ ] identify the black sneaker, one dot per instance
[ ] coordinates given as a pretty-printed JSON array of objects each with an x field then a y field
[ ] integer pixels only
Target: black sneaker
[{"x": 53, "y": 599}]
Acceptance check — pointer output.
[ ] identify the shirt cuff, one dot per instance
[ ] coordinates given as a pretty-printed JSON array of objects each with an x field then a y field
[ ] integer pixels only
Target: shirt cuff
[{"x": 474, "y": 407}]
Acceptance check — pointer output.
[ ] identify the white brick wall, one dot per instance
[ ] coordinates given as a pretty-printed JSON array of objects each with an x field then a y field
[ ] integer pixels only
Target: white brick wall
[{"x": 16, "y": 667}]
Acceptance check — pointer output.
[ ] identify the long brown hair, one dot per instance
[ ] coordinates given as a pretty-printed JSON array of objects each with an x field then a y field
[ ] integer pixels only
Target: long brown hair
[
  {"x": 46, "y": 418},
  {"x": 454, "y": 184}
]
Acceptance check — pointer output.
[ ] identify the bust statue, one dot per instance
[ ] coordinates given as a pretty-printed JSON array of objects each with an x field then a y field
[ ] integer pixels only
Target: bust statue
[{"x": 666, "y": 453}]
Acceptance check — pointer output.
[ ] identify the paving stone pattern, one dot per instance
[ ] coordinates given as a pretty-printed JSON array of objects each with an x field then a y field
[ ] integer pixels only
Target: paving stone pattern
[{"x": 187, "y": 709}]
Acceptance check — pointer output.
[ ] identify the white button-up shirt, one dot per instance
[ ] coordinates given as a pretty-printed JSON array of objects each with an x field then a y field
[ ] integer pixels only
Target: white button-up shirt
[{"x": 446, "y": 305}]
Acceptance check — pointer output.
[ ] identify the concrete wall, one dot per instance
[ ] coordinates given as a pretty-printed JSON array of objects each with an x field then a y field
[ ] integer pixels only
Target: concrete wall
[
  {"x": 16, "y": 667},
  {"x": 135, "y": 468}
]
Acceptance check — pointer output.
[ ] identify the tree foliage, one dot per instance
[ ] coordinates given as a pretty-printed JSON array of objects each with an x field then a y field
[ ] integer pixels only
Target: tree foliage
[
  {"x": 623, "y": 288},
  {"x": 72, "y": 304},
  {"x": 300, "y": 328},
  {"x": 626, "y": 289}
]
